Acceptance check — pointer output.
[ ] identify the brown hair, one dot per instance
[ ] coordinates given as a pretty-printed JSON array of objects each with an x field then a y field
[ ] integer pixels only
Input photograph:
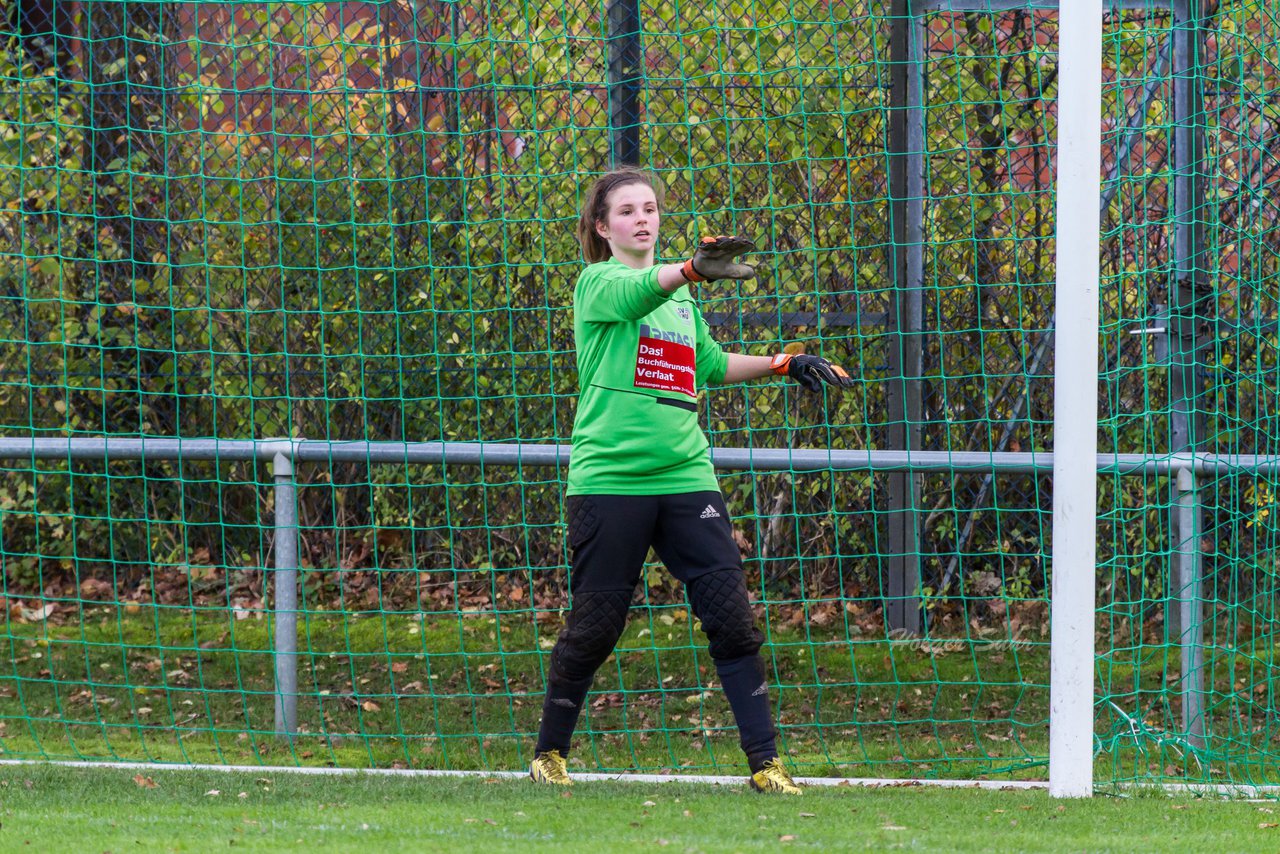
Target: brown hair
[{"x": 595, "y": 207}]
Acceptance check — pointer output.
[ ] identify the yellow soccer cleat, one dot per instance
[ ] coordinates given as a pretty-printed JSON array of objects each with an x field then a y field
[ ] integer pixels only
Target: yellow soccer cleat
[
  {"x": 550, "y": 767},
  {"x": 773, "y": 778}
]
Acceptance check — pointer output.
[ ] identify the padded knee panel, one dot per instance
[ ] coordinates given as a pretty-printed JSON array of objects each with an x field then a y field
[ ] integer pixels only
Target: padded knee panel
[
  {"x": 594, "y": 626},
  {"x": 720, "y": 601}
]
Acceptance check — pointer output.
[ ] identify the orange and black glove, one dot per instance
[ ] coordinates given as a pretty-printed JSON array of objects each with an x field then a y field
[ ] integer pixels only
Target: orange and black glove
[
  {"x": 810, "y": 371},
  {"x": 715, "y": 259}
]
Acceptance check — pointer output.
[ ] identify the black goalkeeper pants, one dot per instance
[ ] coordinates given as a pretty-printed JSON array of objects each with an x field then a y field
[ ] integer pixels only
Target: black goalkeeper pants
[{"x": 610, "y": 537}]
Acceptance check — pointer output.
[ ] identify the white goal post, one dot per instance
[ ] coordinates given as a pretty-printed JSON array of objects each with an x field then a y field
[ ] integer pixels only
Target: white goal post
[{"x": 1075, "y": 399}]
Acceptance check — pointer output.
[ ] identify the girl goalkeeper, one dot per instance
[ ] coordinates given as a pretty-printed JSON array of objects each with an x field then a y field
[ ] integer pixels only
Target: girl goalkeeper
[{"x": 640, "y": 474}]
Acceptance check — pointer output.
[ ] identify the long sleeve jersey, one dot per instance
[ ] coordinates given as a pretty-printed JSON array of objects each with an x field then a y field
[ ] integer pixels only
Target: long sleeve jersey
[{"x": 643, "y": 353}]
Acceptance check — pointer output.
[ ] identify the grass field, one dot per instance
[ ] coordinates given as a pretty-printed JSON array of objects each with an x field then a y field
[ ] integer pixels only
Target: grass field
[
  {"x": 463, "y": 691},
  {"x": 117, "y": 810},
  {"x": 171, "y": 685}
]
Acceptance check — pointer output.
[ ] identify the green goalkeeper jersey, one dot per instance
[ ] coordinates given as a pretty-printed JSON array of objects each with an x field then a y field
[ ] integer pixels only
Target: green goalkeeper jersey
[{"x": 643, "y": 354}]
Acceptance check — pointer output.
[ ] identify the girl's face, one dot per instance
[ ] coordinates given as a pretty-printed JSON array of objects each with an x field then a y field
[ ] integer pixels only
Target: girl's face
[{"x": 631, "y": 225}]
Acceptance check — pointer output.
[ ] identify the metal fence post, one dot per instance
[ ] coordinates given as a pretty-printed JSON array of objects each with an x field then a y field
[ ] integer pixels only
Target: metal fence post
[
  {"x": 906, "y": 359},
  {"x": 624, "y": 80},
  {"x": 1186, "y": 399},
  {"x": 286, "y": 595},
  {"x": 1190, "y": 608},
  {"x": 1187, "y": 413}
]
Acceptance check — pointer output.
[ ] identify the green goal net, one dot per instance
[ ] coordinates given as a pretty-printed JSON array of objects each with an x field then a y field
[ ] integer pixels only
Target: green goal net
[{"x": 350, "y": 223}]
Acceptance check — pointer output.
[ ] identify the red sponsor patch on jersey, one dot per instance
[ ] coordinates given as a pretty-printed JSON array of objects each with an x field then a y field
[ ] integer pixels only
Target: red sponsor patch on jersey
[{"x": 665, "y": 366}]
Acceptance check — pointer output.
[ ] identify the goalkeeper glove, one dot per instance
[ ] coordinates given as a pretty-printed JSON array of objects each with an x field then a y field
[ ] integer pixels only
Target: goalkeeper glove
[
  {"x": 810, "y": 371},
  {"x": 714, "y": 259}
]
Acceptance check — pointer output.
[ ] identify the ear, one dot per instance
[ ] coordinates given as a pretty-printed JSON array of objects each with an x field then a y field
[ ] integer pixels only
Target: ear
[{"x": 602, "y": 229}]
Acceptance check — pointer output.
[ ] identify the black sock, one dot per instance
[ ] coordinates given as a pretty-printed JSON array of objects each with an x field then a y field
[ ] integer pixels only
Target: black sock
[
  {"x": 748, "y": 695},
  {"x": 560, "y": 710}
]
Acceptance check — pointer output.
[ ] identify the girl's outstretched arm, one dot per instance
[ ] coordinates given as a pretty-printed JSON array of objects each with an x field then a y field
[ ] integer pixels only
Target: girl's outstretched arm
[
  {"x": 743, "y": 367},
  {"x": 810, "y": 371}
]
